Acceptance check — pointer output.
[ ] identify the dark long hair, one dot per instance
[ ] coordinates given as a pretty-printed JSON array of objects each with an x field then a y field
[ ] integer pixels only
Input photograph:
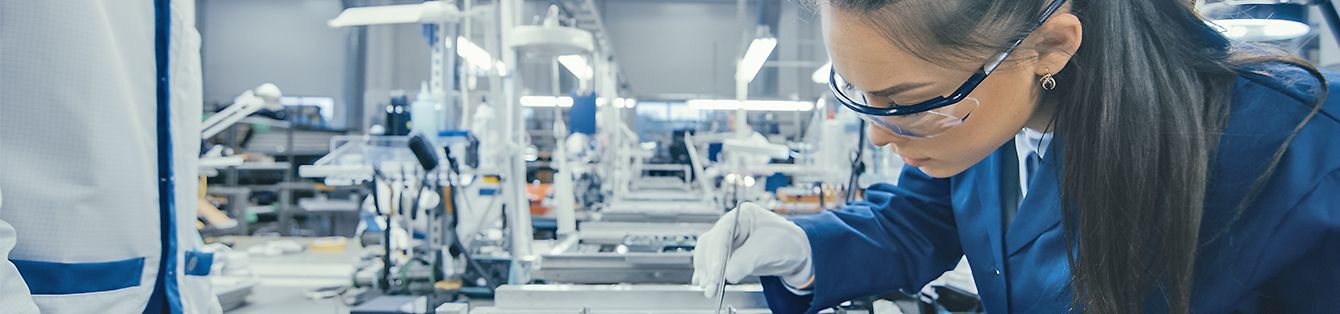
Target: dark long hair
[{"x": 1139, "y": 110}]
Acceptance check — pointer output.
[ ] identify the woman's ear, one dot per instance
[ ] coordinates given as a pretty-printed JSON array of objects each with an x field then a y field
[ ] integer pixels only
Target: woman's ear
[{"x": 1057, "y": 42}]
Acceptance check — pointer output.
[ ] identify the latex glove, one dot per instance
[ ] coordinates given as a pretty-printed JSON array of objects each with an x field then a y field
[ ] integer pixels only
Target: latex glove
[{"x": 765, "y": 244}]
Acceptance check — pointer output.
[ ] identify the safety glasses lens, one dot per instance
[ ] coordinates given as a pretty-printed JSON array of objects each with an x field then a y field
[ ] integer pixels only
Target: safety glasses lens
[{"x": 926, "y": 124}]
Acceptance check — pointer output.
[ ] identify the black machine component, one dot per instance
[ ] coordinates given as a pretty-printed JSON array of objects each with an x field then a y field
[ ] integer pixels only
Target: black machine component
[
  {"x": 397, "y": 115},
  {"x": 423, "y": 151}
]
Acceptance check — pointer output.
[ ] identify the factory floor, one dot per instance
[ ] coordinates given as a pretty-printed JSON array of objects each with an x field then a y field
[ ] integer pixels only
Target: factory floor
[
  {"x": 283, "y": 281},
  {"x": 266, "y": 299}
]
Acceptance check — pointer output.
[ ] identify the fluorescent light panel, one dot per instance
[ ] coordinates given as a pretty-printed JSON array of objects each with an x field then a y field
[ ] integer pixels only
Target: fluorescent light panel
[
  {"x": 566, "y": 102},
  {"x": 754, "y": 57},
  {"x": 545, "y": 101},
  {"x": 750, "y": 105}
]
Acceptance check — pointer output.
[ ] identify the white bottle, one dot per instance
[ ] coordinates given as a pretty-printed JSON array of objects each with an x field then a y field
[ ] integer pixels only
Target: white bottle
[{"x": 425, "y": 112}]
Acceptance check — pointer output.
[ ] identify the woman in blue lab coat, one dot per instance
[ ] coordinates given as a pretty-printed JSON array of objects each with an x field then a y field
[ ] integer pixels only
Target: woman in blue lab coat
[{"x": 1160, "y": 167}]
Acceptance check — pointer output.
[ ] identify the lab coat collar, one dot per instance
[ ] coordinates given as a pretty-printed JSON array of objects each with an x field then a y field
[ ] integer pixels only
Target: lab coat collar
[{"x": 1039, "y": 211}]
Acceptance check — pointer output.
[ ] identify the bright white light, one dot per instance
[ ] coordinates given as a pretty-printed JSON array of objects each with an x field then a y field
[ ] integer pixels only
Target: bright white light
[
  {"x": 1261, "y": 29},
  {"x": 501, "y": 67},
  {"x": 546, "y": 101},
  {"x": 1287, "y": 29},
  {"x": 622, "y": 103},
  {"x": 750, "y": 105},
  {"x": 473, "y": 54},
  {"x": 1236, "y": 32},
  {"x": 754, "y": 57},
  {"x": 819, "y": 104},
  {"x": 566, "y": 102},
  {"x": 577, "y": 65},
  {"x": 618, "y": 102},
  {"x": 821, "y": 75}
]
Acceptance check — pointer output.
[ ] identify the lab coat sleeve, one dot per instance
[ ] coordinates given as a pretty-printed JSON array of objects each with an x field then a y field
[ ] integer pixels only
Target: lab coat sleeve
[
  {"x": 900, "y": 237},
  {"x": 14, "y": 294}
]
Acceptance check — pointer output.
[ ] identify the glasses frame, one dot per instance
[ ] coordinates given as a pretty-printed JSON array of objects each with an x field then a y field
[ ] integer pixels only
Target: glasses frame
[{"x": 942, "y": 101}]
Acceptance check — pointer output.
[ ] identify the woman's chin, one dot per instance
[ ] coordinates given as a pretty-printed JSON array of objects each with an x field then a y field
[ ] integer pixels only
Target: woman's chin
[{"x": 937, "y": 169}]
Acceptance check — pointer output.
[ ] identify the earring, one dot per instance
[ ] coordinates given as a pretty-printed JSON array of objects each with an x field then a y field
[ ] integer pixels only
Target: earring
[{"x": 1048, "y": 82}]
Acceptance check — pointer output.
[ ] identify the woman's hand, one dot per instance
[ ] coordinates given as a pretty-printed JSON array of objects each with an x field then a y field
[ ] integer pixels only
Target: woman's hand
[{"x": 764, "y": 244}]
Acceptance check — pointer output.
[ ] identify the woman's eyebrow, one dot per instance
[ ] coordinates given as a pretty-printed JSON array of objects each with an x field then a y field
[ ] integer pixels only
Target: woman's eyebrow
[{"x": 899, "y": 88}]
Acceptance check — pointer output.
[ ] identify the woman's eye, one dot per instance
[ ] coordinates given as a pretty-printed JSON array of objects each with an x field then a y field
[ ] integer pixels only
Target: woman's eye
[{"x": 895, "y": 101}]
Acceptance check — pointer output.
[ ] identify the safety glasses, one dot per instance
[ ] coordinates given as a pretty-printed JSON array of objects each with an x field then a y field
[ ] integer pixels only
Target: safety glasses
[{"x": 932, "y": 117}]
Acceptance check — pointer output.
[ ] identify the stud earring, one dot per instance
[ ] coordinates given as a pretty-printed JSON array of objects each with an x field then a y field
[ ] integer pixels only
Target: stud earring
[{"x": 1048, "y": 82}]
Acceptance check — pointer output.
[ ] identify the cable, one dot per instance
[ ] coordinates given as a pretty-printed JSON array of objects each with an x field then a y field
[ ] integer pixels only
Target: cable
[
  {"x": 857, "y": 167},
  {"x": 418, "y": 195},
  {"x": 452, "y": 181},
  {"x": 385, "y": 281}
]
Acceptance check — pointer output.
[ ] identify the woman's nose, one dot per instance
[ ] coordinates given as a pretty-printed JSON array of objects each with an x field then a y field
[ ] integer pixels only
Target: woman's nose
[{"x": 879, "y": 136}]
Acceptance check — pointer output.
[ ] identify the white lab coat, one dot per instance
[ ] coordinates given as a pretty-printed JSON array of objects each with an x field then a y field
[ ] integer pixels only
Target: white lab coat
[{"x": 79, "y": 223}]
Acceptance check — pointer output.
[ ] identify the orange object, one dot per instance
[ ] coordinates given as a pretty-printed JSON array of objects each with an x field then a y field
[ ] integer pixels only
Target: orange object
[{"x": 536, "y": 193}]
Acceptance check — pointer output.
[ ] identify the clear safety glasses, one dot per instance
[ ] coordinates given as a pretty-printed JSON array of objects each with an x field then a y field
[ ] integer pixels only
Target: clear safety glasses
[{"x": 932, "y": 117}]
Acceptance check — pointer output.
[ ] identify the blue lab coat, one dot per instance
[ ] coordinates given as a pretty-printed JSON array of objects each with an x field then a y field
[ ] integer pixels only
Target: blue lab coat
[{"x": 1282, "y": 256}]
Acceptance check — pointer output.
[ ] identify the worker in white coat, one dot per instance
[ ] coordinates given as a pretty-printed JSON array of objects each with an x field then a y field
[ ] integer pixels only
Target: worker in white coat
[{"x": 100, "y": 105}]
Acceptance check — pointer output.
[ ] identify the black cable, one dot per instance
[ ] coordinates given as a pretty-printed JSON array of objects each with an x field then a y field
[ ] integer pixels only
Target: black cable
[
  {"x": 454, "y": 169},
  {"x": 385, "y": 281},
  {"x": 857, "y": 167},
  {"x": 403, "y": 187}
]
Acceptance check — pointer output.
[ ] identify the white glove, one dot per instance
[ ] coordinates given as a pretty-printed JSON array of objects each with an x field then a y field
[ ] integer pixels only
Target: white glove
[{"x": 765, "y": 244}]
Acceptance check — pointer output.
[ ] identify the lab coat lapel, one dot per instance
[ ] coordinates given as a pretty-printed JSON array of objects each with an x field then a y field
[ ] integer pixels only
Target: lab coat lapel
[
  {"x": 1040, "y": 210},
  {"x": 992, "y": 195}
]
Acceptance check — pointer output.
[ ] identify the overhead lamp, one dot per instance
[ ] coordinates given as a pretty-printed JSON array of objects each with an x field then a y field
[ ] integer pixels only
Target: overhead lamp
[
  {"x": 473, "y": 54},
  {"x": 551, "y": 39},
  {"x": 1259, "y": 20},
  {"x": 577, "y": 65},
  {"x": 750, "y": 105},
  {"x": 754, "y": 57},
  {"x": 820, "y": 75},
  {"x": 426, "y": 12}
]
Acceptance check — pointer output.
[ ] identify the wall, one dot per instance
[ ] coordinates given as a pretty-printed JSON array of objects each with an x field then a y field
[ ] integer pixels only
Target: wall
[
  {"x": 249, "y": 42},
  {"x": 667, "y": 49},
  {"x": 675, "y": 48},
  {"x": 287, "y": 42},
  {"x": 688, "y": 49}
]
